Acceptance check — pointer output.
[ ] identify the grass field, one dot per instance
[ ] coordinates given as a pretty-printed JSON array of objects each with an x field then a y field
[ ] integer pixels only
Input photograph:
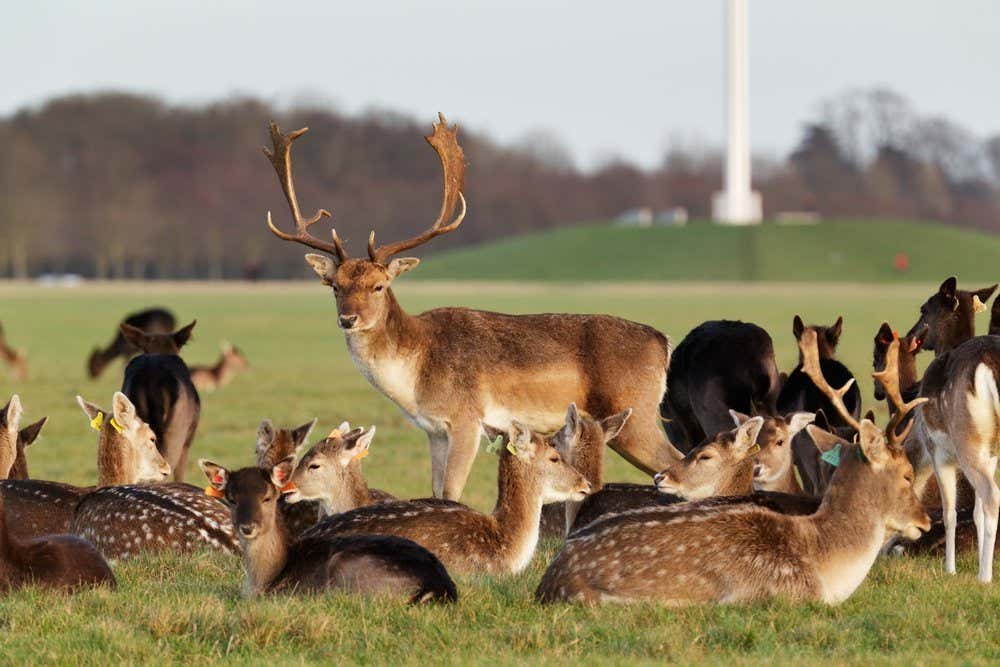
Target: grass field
[
  {"x": 174, "y": 610},
  {"x": 834, "y": 251}
]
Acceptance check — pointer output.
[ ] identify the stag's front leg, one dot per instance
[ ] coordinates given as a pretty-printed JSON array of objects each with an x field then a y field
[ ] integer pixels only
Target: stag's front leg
[
  {"x": 947, "y": 484},
  {"x": 439, "y": 446},
  {"x": 463, "y": 443},
  {"x": 981, "y": 477}
]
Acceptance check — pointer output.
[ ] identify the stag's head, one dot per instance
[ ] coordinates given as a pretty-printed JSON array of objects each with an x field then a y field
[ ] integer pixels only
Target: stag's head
[{"x": 361, "y": 286}]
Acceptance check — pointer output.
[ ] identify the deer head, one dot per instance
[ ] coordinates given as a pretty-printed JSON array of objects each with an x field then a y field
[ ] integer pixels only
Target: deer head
[
  {"x": 275, "y": 444},
  {"x": 715, "y": 467},
  {"x": 949, "y": 315},
  {"x": 331, "y": 469},
  {"x": 156, "y": 343},
  {"x": 827, "y": 337},
  {"x": 775, "y": 459},
  {"x": 126, "y": 450},
  {"x": 528, "y": 459},
  {"x": 234, "y": 357},
  {"x": 361, "y": 286},
  {"x": 582, "y": 439},
  {"x": 14, "y": 440},
  {"x": 909, "y": 346},
  {"x": 252, "y": 494}
]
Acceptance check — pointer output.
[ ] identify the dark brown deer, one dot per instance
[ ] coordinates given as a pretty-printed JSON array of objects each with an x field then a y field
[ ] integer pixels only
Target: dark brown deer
[
  {"x": 365, "y": 564},
  {"x": 231, "y": 362},
  {"x": 451, "y": 370},
  {"x": 743, "y": 553},
  {"x": 531, "y": 473},
  {"x": 950, "y": 316},
  {"x": 159, "y": 384},
  {"x": 720, "y": 365},
  {"x": 14, "y": 439},
  {"x": 799, "y": 394},
  {"x": 995, "y": 318},
  {"x": 273, "y": 446},
  {"x": 909, "y": 346},
  {"x": 17, "y": 360},
  {"x": 63, "y": 562},
  {"x": 152, "y": 320}
]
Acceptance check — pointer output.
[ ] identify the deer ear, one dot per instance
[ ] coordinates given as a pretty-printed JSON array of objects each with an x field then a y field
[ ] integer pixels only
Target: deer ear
[
  {"x": 323, "y": 266},
  {"x": 265, "y": 435},
  {"x": 281, "y": 473},
  {"x": 798, "y": 327},
  {"x": 123, "y": 409},
  {"x": 357, "y": 446},
  {"x": 884, "y": 335},
  {"x": 872, "y": 442},
  {"x": 738, "y": 418},
  {"x": 746, "y": 434},
  {"x": 614, "y": 424},
  {"x": 89, "y": 408},
  {"x": 12, "y": 413},
  {"x": 30, "y": 433},
  {"x": 571, "y": 427},
  {"x": 917, "y": 339},
  {"x": 300, "y": 434},
  {"x": 182, "y": 336},
  {"x": 833, "y": 333},
  {"x": 398, "y": 267},
  {"x": 823, "y": 439},
  {"x": 948, "y": 287},
  {"x": 799, "y": 421},
  {"x": 519, "y": 441},
  {"x": 134, "y": 335},
  {"x": 216, "y": 474}
]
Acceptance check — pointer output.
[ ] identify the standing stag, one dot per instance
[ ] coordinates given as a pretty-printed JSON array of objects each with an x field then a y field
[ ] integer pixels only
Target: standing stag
[
  {"x": 451, "y": 370},
  {"x": 151, "y": 320}
]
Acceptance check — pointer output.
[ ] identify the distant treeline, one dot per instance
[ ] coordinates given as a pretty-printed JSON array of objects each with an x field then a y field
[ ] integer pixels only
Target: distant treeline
[{"x": 120, "y": 185}]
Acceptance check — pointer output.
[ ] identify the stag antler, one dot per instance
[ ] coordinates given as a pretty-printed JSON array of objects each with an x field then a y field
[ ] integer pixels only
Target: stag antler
[
  {"x": 889, "y": 377},
  {"x": 281, "y": 159},
  {"x": 811, "y": 367},
  {"x": 445, "y": 142}
]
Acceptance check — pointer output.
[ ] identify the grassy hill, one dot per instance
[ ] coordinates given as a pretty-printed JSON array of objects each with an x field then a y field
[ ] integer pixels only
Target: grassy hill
[{"x": 832, "y": 251}]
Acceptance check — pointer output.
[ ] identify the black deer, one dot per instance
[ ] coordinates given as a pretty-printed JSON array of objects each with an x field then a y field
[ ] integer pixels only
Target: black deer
[{"x": 152, "y": 320}]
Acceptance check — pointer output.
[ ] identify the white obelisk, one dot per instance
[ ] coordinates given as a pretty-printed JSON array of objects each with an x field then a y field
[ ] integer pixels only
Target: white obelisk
[{"x": 737, "y": 204}]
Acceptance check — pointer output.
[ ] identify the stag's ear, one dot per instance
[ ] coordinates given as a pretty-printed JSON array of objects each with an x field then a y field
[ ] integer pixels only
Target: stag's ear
[
  {"x": 799, "y": 421},
  {"x": 123, "y": 409},
  {"x": 738, "y": 418},
  {"x": 398, "y": 267},
  {"x": 135, "y": 336},
  {"x": 746, "y": 436},
  {"x": 872, "y": 442},
  {"x": 884, "y": 336},
  {"x": 216, "y": 474},
  {"x": 182, "y": 336},
  {"x": 798, "y": 326},
  {"x": 833, "y": 333},
  {"x": 323, "y": 266},
  {"x": 614, "y": 424},
  {"x": 823, "y": 439},
  {"x": 30, "y": 433}
]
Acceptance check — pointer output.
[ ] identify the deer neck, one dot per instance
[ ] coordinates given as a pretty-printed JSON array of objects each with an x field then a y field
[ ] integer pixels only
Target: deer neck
[
  {"x": 960, "y": 329},
  {"x": 740, "y": 483},
  {"x": 350, "y": 494},
  {"x": 518, "y": 510},
  {"x": 588, "y": 457},
  {"x": 115, "y": 464},
  {"x": 266, "y": 556},
  {"x": 20, "y": 468},
  {"x": 786, "y": 482}
]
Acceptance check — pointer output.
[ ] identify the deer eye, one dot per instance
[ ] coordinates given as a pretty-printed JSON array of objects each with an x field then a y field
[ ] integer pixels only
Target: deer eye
[
  {"x": 314, "y": 466},
  {"x": 554, "y": 459},
  {"x": 379, "y": 287},
  {"x": 335, "y": 288},
  {"x": 779, "y": 443},
  {"x": 704, "y": 457}
]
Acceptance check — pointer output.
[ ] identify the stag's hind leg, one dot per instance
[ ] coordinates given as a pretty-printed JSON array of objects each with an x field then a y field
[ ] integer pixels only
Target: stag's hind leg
[
  {"x": 982, "y": 477},
  {"x": 463, "y": 443}
]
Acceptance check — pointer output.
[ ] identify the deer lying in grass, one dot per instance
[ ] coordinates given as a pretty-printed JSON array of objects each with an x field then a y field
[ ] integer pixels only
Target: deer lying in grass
[
  {"x": 231, "y": 362},
  {"x": 17, "y": 360},
  {"x": 159, "y": 384},
  {"x": 743, "y": 553},
  {"x": 123, "y": 519},
  {"x": 54, "y": 561},
  {"x": 531, "y": 473},
  {"x": 273, "y": 446},
  {"x": 366, "y": 564},
  {"x": 152, "y": 320},
  {"x": 14, "y": 439},
  {"x": 451, "y": 370},
  {"x": 774, "y": 462}
]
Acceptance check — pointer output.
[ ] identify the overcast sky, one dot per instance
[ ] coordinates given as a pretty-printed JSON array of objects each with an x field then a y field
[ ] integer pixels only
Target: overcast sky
[{"x": 607, "y": 78}]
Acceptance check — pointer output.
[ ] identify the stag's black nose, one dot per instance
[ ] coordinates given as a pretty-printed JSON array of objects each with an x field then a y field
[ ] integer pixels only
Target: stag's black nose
[{"x": 348, "y": 321}]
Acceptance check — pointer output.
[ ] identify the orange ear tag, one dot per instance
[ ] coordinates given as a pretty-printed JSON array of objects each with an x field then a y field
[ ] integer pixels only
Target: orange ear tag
[
  {"x": 214, "y": 492},
  {"x": 288, "y": 488},
  {"x": 362, "y": 454}
]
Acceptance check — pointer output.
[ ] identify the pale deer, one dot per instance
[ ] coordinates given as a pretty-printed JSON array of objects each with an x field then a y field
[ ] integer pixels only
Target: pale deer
[
  {"x": 152, "y": 320},
  {"x": 774, "y": 464},
  {"x": 159, "y": 384},
  {"x": 451, "y": 370},
  {"x": 63, "y": 562},
  {"x": 950, "y": 316},
  {"x": 531, "y": 473},
  {"x": 330, "y": 472},
  {"x": 720, "y": 365},
  {"x": 17, "y": 360},
  {"x": 365, "y": 564},
  {"x": 14, "y": 439},
  {"x": 743, "y": 553},
  {"x": 231, "y": 362}
]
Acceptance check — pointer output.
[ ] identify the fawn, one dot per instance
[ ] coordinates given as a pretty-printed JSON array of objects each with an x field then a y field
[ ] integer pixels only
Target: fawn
[
  {"x": 531, "y": 473},
  {"x": 14, "y": 439},
  {"x": 774, "y": 466},
  {"x": 152, "y": 320},
  {"x": 366, "y": 564},
  {"x": 741, "y": 553},
  {"x": 231, "y": 362},
  {"x": 17, "y": 360},
  {"x": 275, "y": 445}
]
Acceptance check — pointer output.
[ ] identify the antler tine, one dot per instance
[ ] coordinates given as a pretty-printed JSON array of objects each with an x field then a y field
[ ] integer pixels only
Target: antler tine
[
  {"x": 444, "y": 141},
  {"x": 889, "y": 377},
  {"x": 811, "y": 367},
  {"x": 280, "y": 158}
]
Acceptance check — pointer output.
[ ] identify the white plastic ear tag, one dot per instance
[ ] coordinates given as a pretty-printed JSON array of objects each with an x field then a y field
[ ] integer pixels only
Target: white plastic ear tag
[{"x": 977, "y": 305}]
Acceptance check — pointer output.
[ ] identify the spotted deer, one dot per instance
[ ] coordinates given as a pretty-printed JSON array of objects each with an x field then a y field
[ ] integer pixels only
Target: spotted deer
[
  {"x": 950, "y": 316},
  {"x": 152, "y": 320},
  {"x": 17, "y": 360},
  {"x": 273, "y": 446},
  {"x": 450, "y": 370},
  {"x": 774, "y": 466},
  {"x": 330, "y": 473},
  {"x": 743, "y": 553},
  {"x": 363, "y": 564},
  {"x": 231, "y": 362},
  {"x": 158, "y": 382},
  {"x": 63, "y": 562},
  {"x": 531, "y": 473},
  {"x": 125, "y": 519},
  {"x": 14, "y": 439}
]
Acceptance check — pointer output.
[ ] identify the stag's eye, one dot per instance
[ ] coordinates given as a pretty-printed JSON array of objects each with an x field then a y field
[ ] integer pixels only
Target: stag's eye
[
  {"x": 335, "y": 288},
  {"x": 908, "y": 478},
  {"x": 379, "y": 287},
  {"x": 779, "y": 443}
]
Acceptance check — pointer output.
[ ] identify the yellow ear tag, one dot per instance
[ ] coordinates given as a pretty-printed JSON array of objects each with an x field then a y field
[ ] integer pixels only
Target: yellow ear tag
[
  {"x": 97, "y": 421},
  {"x": 511, "y": 448},
  {"x": 335, "y": 433},
  {"x": 214, "y": 492},
  {"x": 977, "y": 305},
  {"x": 362, "y": 454},
  {"x": 115, "y": 425},
  {"x": 753, "y": 450}
]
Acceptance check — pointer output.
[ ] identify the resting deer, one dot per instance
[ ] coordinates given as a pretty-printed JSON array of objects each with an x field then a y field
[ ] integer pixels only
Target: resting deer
[
  {"x": 366, "y": 564},
  {"x": 273, "y": 446},
  {"x": 718, "y": 366},
  {"x": 17, "y": 360},
  {"x": 54, "y": 561},
  {"x": 774, "y": 465},
  {"x": 950, "y": 316},
  {"x": 159, "y": 384},
  {"x": 231, "y": 362},
  {"x": 330, "y": 473},
  {"x": 531, "y": 473},
  {"x": 152, "y": 320},
  {"x": 451, "y": 370},
  {"x": 743, "y": 553},
  {"x": 14, "y": 439}
]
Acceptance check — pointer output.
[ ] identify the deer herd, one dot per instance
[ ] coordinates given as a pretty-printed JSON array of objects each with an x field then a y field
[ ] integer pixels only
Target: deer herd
[{"x": 763, "y": 484}]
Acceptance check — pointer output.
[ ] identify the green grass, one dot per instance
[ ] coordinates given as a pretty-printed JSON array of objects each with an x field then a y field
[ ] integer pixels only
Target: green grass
[
  {"x": 832, "y": 251},
  {"x": 176, "y": 610}
]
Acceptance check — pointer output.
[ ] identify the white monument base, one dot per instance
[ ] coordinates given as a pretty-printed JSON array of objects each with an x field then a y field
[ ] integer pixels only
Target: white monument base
[{"x": 737, "y": 208}]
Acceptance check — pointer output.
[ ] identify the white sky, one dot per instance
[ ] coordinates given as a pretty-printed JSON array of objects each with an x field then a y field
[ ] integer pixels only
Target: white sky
[{"x": 618, "y": 77}]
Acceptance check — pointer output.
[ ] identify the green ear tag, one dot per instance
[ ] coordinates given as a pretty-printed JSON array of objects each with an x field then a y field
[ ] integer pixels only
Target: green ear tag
[
  {"x": 511, "y": 448},
  {"x": 493, "y": 446},
  {"x": 832, "y": 456}
]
